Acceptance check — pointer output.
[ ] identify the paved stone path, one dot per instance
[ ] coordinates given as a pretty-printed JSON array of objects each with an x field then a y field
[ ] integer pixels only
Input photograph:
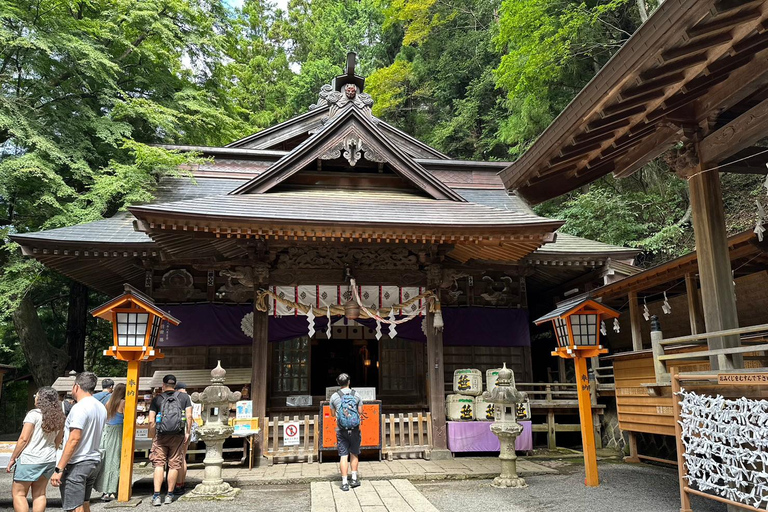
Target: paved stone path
[
  {"x": 460, "y": 468},
  {"x": 397, "y": 495}
]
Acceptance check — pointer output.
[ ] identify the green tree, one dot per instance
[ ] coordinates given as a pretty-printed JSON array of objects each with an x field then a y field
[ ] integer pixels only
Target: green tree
[{"x": 86, "y": 87}]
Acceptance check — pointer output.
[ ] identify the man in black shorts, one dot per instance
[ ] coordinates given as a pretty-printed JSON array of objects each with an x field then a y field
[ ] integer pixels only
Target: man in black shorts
[{"x": 347, "y": 439}]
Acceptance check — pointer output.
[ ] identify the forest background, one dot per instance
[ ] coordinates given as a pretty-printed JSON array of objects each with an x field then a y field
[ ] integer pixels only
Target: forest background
[{"x": 88, "y": 86}]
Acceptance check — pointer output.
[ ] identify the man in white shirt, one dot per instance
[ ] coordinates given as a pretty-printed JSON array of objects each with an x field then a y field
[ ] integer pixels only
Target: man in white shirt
[{"x": 78, "y": 466}]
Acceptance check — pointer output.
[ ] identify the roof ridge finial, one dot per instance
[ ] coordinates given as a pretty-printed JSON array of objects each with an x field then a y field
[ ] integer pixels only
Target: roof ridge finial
[{"x": 351, "y": 63}]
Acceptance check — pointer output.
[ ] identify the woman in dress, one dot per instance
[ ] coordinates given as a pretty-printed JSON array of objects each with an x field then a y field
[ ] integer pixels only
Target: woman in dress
[
  {"x": 112, "y": 443},
  {"x": 34, "y": 457}
]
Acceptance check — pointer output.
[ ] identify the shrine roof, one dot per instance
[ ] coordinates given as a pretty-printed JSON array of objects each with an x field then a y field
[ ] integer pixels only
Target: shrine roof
[
  {"x": 116, "y": 230},
  {"x": 345, "y": 206},
  {"x": 570, "y": 244}
]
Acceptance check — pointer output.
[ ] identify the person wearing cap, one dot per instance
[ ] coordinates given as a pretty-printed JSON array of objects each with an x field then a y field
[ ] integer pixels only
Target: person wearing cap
[
  {"x": 182, "y": 478},
  {"x": 170, "y": 422}
]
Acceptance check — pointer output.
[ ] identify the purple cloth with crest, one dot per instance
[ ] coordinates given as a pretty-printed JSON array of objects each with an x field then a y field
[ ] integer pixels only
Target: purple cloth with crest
[{"x": 220, "y": 324}]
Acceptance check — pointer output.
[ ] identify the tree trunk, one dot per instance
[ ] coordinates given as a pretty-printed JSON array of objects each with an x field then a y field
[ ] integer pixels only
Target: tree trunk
[
  {"x": 77, "y": 317},
  {"x": 642, "y": 10},
  {"x": 46, "y": 362}
]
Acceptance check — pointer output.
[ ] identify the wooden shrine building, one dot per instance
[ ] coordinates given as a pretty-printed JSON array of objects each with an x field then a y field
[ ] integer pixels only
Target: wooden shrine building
[{"x": 284, "y": 219}]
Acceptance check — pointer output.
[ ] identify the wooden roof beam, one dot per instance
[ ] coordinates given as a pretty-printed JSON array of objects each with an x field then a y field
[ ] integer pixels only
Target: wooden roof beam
[
  {"x": 672, "y": 68},
  {"x": 650, "y": 148},
  {"x": 656, "y": 84},
  {"x": 604, "y": 131},
  {"x": 635, "y": 101},
  {"x": 724, "y": 22},
  {"x": 740, "y": 133},
  {"x": 696, "y": 47}
]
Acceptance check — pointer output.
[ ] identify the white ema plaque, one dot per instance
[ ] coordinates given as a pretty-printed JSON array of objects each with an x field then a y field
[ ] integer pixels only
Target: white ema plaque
[{"x": 291, "y": 433}]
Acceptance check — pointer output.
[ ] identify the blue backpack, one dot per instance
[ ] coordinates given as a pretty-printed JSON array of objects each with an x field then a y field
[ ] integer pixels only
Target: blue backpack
[{"x": 348, "y": 415}]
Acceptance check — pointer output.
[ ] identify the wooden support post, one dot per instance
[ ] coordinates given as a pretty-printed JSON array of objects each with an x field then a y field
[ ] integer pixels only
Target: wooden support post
[
  {"x": 659, "y": 368},
  {"x": 717, "y": 294},
  {"x": 551, "y": 426},
  {"x": 635, "y": 319},
  {"x": 694, "y": 304},
  {"x": 260, "y": 356},
  {"x": 633, "y": 458},
  {"x": 551, "y": 430},
  {"x": 129, "y": 432},
  {"x": 436, "y": 372}
]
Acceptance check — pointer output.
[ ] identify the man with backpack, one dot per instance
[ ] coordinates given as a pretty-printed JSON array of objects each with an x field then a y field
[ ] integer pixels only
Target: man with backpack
[
  {"x": 170, "y": 421},
  {"x": 348, "y": 407}
]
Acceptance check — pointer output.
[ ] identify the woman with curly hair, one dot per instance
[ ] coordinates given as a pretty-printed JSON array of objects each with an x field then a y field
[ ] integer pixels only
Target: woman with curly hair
[
  {"x": 112, "y": 443},
  {"x": 35, "y": 455}
]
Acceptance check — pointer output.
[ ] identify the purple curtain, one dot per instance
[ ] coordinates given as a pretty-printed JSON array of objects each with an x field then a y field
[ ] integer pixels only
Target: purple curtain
[{"x": 220, "y": 324}]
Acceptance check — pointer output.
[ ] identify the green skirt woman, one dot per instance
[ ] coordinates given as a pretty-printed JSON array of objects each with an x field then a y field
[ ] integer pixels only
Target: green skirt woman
[{"x": 111, "y": 445}]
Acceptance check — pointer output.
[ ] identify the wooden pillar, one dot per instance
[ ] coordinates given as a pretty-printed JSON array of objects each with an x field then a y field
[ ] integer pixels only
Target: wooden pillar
[
  {"x": 436, "y": 372},
  {"x": 636, "y": 324},
  {"x": 717, "y": 297},
  {"x": 260, "y": 352},
  {"x": 633, "y": 457},
  {"x": 694, "y": 304}
]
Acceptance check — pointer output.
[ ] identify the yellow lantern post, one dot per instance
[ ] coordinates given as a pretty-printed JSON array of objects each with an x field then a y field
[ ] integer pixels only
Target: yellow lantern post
[
  {"x": 136, "y": 326},
  {"x": 577, "y": 327}
]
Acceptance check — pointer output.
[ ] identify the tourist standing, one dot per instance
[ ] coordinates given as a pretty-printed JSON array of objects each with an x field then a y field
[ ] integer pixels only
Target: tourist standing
[
  {"x": 78, "y": 466},
  {"x": 182, "y": 479},
  {"x": 170, "y": 421},
  {"x": 34, "y": 457},
  {"x": 348, "y": 407},
  {"x": 112, "y": 443},
  {"x": 107, "y": 386}
]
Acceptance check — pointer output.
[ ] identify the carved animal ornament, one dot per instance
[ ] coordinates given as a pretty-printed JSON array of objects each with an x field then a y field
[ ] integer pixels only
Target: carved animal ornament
[{"x": 329, "y": 257}]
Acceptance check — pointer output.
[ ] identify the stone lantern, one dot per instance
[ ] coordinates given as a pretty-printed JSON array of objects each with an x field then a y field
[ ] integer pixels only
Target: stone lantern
[
  {"x": 215, "y": 400},
  {"x": 505, "y": 397}
]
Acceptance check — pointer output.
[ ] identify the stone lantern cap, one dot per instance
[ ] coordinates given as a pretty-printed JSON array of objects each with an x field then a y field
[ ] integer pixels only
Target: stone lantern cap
[{"x": 504, "y": 393}]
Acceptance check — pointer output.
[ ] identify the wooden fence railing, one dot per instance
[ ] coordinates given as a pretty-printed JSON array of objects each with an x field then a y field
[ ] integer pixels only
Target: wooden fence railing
[
  {"x": 688, "y": 344},
  {"x": 402, "y": 435},
  {"x": 558, "y": 399},
  {"x": 274, "y": 442}
]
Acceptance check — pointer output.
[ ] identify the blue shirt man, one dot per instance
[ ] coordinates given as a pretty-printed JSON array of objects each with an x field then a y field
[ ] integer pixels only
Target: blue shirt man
[{"x": 107, "y": 385}]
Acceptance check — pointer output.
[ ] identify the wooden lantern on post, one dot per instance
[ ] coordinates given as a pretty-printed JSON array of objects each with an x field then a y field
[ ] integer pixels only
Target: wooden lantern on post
[
  {"x": 136, "y": 326},
  {"x": 577, "y": 327}
]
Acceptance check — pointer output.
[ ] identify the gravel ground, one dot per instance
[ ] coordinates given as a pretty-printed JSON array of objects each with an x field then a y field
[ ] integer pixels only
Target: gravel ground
[{"x": 623, "y": 488}]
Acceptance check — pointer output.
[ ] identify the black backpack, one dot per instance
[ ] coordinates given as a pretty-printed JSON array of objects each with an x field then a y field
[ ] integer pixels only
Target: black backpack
[{"x": 172, "y": 415}]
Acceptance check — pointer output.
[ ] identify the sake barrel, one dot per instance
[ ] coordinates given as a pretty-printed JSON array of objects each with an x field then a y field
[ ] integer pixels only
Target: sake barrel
[
  {"x": 484, "y": 411},
  {"x": 468, "y": 382},
  {"x": 491, "y": 376},
  {"x": 459, "y": 408}
]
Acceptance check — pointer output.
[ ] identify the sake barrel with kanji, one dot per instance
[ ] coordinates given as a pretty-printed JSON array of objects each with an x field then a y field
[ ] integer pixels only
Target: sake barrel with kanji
[
  {"x": 468, "y": 382},
  {"x": 484, "y": 411},
  {"x": 459, "y": 408},
  {"x": 491, "y": 376}
]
